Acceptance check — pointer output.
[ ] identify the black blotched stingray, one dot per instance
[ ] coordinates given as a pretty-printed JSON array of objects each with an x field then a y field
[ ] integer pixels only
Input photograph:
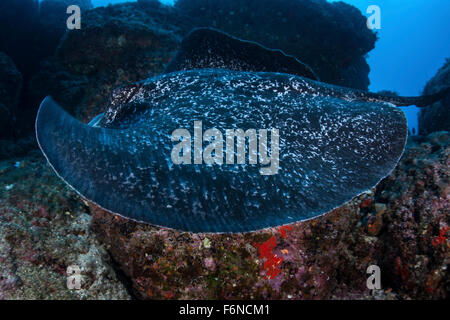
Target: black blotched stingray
[{"x": 334, "y": 142}]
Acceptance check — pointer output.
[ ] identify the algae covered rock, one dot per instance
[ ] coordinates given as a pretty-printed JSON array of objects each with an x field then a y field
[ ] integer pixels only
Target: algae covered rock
[
  {"x": 437, "y": 116},
  {"x": 302, "y": 261},
  {"x": 128, "y": 42},
  {"x": 53, "y": 22},
  {"x": 18, "y": 21},
  {"x": 44, "y": 229},
  {"x": 417, "y": 199}
]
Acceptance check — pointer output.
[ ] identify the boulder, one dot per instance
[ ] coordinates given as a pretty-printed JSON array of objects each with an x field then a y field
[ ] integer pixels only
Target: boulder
[
  {"x": 416, "y": 228},
  {"x": 117, "y": 45},
  {"x": 129, "y": 42},
  {"x": 332, "y": 38},
  {"x": 45, "y": 229},
  {"x": 437, "y": 116}
]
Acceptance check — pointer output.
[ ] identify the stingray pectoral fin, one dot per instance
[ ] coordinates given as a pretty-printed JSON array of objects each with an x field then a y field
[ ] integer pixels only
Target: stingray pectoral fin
[
  {"x": 71, "y": 147},
  {"x": 96, "y": 162},
  {"x": 210, "y": 48}
]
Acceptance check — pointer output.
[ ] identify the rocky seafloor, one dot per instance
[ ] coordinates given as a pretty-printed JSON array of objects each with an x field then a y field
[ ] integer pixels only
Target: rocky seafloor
[{"x": 402, "y": 226}]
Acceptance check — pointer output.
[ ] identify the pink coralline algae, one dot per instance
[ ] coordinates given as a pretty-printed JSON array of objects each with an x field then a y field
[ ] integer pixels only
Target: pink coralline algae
[
  {"x": 282, "y": 230},
  {"x": 272, "y": 262},
  {"x": 441, "y": 238}
]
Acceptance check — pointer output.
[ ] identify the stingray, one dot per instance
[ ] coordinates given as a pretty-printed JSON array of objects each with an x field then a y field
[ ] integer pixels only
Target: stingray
[{"x": 334, "y": 143}]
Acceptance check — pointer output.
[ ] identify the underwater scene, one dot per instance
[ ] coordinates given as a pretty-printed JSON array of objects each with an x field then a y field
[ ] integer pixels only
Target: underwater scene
[{"x": 224, "y": 150}]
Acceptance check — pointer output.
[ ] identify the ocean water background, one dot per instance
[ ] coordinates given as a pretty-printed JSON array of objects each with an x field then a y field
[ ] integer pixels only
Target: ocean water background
[{"x": 413, "y": 44}]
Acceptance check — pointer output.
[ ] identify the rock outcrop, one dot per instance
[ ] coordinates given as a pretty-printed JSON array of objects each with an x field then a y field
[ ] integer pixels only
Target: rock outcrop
[
  {"x": 437, "y": 116},
  {"x": 332, "y": 38},
  {"x": 129, "y": 42}
]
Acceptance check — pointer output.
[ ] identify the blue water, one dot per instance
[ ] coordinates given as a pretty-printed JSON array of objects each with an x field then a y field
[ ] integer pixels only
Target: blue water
[{"x": 414, "y": 42}]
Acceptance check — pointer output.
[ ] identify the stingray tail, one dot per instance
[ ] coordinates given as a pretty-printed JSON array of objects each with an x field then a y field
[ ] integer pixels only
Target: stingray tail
[{"x": 420, "y": 101}]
